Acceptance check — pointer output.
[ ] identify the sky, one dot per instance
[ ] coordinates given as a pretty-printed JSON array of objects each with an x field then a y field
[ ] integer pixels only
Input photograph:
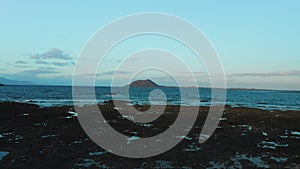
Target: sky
[{"x": 257, "y": 41}]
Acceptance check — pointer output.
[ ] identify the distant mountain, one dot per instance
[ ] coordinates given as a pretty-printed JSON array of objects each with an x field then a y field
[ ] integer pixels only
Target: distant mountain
[
  {"x": 5, "y": 81},
  {"x": 143, "y": 83}
]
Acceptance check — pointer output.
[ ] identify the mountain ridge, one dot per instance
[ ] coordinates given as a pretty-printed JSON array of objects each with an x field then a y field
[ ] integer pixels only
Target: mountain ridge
[{"x": 6, "y": 81}]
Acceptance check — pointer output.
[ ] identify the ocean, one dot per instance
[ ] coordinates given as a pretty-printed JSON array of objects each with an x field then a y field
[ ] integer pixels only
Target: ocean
[{"x": 46, "y": 96}]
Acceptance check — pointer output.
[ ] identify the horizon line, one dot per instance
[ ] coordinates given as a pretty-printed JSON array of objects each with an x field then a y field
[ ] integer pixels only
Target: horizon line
[{"x": 230, "y": 88}]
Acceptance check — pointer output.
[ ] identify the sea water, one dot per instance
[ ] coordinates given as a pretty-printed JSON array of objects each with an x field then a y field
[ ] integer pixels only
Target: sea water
[{"x": 62, "y": 95}]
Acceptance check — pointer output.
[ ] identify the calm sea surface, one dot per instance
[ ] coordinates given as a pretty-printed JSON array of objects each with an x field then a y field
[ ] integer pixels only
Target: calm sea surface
[{"x": 62, "y": 95}]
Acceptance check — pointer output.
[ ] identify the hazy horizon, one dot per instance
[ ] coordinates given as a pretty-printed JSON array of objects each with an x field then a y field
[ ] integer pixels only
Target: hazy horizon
[{"x": 65, "y": 85}]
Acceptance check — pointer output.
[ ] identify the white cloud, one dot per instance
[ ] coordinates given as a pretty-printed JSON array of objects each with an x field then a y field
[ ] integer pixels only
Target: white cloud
[{"x": 54, "y": 53}]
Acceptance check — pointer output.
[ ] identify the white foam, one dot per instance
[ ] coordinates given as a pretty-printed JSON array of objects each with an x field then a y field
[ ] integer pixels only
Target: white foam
[
  {"x": 264, "y": 133},
  {"x": 184, "y": 137},
  {"x": 73, "y": 114},
  {"x": 132, "y": 138},
  {"x": 295, "y": 133}
]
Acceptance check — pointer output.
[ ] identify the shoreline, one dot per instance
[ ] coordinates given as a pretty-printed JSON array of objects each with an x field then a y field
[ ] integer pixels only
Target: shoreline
[
  {"x": 47, "y": 105},
  {"x": 34, "y": 137}
]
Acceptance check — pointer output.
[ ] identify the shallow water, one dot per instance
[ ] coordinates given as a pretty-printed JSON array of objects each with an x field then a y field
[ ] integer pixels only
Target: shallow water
[
  {"x": 98, "y": 153},
  {"x": 279, "y": 159},
  {"x": 191, "y": 148},
  {"x": 3, "y": 154},
  {"x": 238, "y": 161},
  {"x": 86, "y": 163},
  {"x": 49, "y": 136},
  {"x": 256, "y": 161},
  {"x": 271, "y": 145}
]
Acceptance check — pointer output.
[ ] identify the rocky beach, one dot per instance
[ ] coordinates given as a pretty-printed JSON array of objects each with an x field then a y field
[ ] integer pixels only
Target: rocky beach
[{"x": 52, "y": 137}]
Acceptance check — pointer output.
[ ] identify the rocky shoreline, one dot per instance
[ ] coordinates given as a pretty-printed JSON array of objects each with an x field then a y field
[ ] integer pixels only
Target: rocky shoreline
[{"x": 34, "y": 137}]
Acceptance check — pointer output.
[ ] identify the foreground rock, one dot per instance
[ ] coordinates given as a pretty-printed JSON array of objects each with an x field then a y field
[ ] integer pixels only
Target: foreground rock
[{"x": 33, "y": 137}]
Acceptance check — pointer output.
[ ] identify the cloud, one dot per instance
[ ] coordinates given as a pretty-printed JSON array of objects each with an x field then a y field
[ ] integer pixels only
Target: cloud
[
  {"x": 41, "y": 62},
  {"x": 54, "y": 53},
  {"x": 60, "y": 64},
  {"x": 114, "y": 72},
  {"x": 20, "y": 62},
  {"x": 106, "y": 73},
  {"x": 41, "y": 70},
  {"x": 37, "y": 71},
  {"x": 22, "y": 66},
  {"x": 26, "y": 54},
  {"x": 267, "y": 74}
]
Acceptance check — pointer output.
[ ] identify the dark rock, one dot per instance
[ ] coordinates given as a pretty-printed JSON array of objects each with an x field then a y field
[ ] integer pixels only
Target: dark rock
[{"x": 44, "y": 138}]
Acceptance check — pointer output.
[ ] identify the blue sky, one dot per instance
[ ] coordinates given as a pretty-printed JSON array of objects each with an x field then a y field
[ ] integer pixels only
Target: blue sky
[{"x": 258, "y": 41}]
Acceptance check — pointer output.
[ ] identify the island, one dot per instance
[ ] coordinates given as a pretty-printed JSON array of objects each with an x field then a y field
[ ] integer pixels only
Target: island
[
  {"x": 1, "y": 84},
  {"x": 143, "y": 83}
]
